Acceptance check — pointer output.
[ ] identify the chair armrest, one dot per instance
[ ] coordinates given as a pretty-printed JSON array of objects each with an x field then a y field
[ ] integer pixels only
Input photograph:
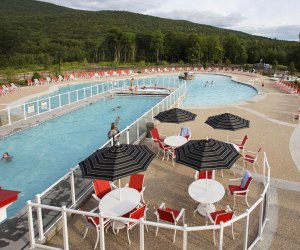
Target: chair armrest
[
  {"x": 182, "y": 211},
  {"x": 126, "y": 185},
  {"x": 143, "y": 189},
  {"x": 228, "y": 209},
  {"x": 210, "y": 218},
  {"x": 96, "y": 197},
  {"x": 94, "y": 209},
  {"x": 251, "y": 152},
  {"x": 162, "y": 205},
  {"x": 236, "y": 179},
  {"x": 113, "y": 185}
]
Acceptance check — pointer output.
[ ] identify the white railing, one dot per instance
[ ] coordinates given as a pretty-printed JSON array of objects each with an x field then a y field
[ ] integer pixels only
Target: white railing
[
  {"x": 37, "y": 107},
  {"x": 262, "y": 203},
  {"x": 131, "y": 134}
]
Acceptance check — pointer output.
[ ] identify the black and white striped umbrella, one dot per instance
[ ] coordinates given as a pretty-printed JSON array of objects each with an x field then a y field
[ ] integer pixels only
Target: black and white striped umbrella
[
  {"x": 116, "y": 162},
  {"x": 175, "y": 115},
  {"x": 207, "y": 154},
  {"x": 227, "y": 122}
]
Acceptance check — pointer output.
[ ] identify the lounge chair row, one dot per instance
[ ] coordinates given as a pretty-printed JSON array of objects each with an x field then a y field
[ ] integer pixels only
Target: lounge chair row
[
  {"x": 9, "y": 88},
  {"x": 287, "y": 87}
]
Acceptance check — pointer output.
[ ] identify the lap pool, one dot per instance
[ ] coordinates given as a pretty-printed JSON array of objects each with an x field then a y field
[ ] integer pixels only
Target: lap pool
[{"x": 42, "y": 154}]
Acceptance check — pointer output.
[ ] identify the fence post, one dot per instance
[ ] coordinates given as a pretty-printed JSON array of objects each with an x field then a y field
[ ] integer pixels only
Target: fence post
[
  {"x": 30, "y": 225},
  {"x": 37, "y": 107},
  {"x": 72, "y": 183},
  {"x": 40, "y": 218},
  {"x": 91, "y": 91},
  {"x": 102, "y": 241},
  {"x": 65, "y": 228},
  {"x": 69, "y": 98},
  {"x": 261, "y": 211},
  {"x": 142, "y": 234},
  {"x": 49, "y": 103},
  {"x": 152, "y": 116},
  {"x": 24, "y": 110},
  {"x": 59, "y": 100},
  {"x": 184, "y": 246},
  {"x": 127, "y": 134},
  {"x": 221, "y": 236},
  {"x": 97, "y": 89},
  {"x": 246, "y": 228},
  {"x": 77, "y": 97},
  {"x": 84, "y": 93},
  {"x": 102, "y": 87}
]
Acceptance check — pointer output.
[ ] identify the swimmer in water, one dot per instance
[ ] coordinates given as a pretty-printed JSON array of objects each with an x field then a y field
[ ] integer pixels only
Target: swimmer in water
[
  {"x": 212, "y": 82},
  {"x": 116, "y": 108}
]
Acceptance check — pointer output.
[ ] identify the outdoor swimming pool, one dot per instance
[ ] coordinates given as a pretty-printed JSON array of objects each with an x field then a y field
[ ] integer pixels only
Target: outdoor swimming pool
[
  {"x": 202, "y": 92},
  {"x": 42, "y": 154}
]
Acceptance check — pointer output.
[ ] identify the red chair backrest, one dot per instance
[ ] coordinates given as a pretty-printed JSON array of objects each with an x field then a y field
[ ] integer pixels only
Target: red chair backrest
[
  {"x": 244, "y": 140},
  {"x": 165, "y": 215},
  {"x": 138, "y": 213},
  {"x": 247, "y": 184},
  {"x": 154, "y": 133},
  {"x": 223, "y": 217},
  {"x": 101, "y": 187},
  {"x": 136, "y": 181},
  {"x": 202, "y": 174}
]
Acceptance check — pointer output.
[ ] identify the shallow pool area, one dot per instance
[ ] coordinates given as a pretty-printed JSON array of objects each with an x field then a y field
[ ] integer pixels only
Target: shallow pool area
[
  {"x": 208, "y": 90},
  {"x": 42, "y": 154}
]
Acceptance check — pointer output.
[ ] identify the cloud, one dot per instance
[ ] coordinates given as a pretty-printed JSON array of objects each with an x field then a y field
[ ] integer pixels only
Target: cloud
[
  {"x": 284, "y": 32},
  {"x": 202, "y": 17}
]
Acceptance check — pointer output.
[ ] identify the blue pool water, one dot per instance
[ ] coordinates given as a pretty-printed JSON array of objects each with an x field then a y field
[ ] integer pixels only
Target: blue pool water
[
  {"x": 222, "y": 91},
  {"x": 42, "y": 154}
]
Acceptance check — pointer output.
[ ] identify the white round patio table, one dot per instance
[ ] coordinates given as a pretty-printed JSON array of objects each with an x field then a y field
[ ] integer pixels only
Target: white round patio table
[
  {"x": 175, "y": 141},
  {"x": 206, "y": 191},
  {"x": 112, "y": 205}
]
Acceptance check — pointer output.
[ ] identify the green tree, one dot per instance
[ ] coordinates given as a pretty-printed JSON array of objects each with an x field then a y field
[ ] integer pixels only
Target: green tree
[
  {"x": 292, "y": 68},
  {"x": 157, "y": 44}
]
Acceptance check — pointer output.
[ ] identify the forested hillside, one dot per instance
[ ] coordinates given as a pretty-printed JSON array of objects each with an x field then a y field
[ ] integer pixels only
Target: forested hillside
[{"x": 39, "y": 33}]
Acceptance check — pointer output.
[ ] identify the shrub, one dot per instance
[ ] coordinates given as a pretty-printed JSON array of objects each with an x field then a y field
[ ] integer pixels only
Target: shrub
[{"x": 35, "y": 75}]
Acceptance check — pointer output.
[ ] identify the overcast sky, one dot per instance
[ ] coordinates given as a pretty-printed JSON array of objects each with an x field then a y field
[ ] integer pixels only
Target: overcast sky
[{"x": 271, "y": 18}]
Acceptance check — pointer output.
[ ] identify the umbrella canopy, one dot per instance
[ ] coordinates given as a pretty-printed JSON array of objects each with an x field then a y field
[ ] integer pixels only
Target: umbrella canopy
[
  {"x": 116, "y": 162},
  {"x": 227, "y": 121},
  {"x": 207, "y": 154},
  {"x": 175, "y": 115}
]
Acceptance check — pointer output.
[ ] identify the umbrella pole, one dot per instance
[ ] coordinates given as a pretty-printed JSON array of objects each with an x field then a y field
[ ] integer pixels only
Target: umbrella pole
[{"x": 120, "y": 189}]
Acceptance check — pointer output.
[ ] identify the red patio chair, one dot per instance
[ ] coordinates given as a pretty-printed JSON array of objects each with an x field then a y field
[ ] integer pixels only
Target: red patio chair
[
  {"x": 206, "y": 174},
  {"x": 169, "y": 215},
  {"x": 165, "y": 149},
  {"x": 253, "y": 159},
  {"x": 242, "y": 144},
  {"x": 221, "y": 216},
  {"x": 156, "y": 137},
  {"x": 101, "y": 188},
  {"x": 136, "y": 182},
  {"x": 136, "y": 214},
  {"x": 94, "y": 223},
  {"x": 238, "y": 190}
]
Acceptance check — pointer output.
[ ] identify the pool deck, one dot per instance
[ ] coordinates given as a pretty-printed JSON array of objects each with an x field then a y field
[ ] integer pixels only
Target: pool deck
[{"x": 271, "y": 127}]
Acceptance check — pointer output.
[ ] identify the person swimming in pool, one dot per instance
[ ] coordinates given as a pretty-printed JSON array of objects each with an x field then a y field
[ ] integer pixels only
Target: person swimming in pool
[
  {"x": 116, "y": 108},
  {"x": 6, "y": 155}
]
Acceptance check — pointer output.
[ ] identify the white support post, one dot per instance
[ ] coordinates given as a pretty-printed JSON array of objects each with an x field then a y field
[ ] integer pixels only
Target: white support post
[
  {"x": 127, "y": 135},
  {"x": 84, "y": 93},
  {"x": 72, "y": 183},
  {"x": 24, "y": 110},
  {"x": 152, "y": 116},
  {"x": 246, "y": 229},
  {"x": 37, "y": 107},
  {"x": 69, "y": 98},
  {"x": 97, "y": 89},
  {"x": 59, "y": 100},
  {"x": 30, "y": 225},
  {"x": 49, "y": 103},
  {"x": 221, "y": 236},
  {"x": 91, "y": 91},
  {"x": 102, "y": 87},
  {"x": 77, "y": 95},
  {"x": 40, "y": 218},
  {"x": 65, "y": 227},
  {"x": 261, "y": 212},
  {"x": 142, "y": 234},
  {"x": 184, "y": 245},
  {"x": 102, "y": 241},
  {"x": 137, "y": 132}
]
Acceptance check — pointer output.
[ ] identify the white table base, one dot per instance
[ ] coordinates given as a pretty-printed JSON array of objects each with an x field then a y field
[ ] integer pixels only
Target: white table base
[{"x": 205, "y": 208}]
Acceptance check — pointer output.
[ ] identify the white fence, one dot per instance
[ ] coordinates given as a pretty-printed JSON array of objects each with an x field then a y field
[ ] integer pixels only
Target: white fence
[
  {"x": 262, "y": 203},
  {"x": 37, "y": 107}
]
